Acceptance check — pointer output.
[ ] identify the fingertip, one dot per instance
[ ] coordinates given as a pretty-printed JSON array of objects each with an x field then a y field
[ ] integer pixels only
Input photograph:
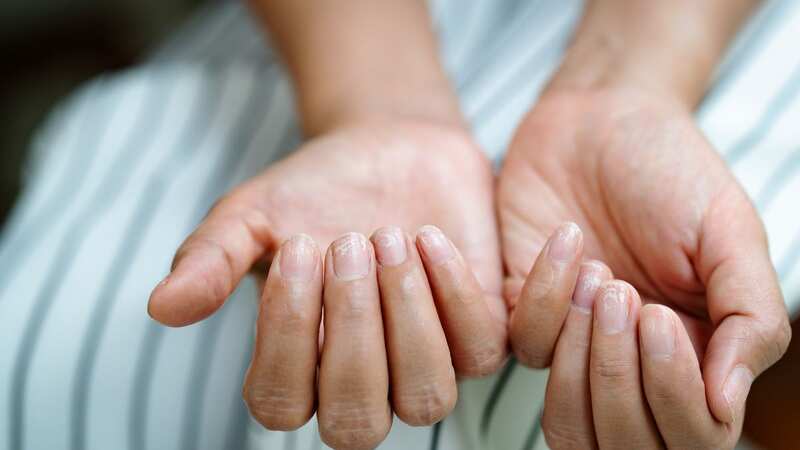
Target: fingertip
[
  {"x": 622, "y": 287},
  {"x": 616, "y": 307},
  {"x": 434, "y": 246},
  {"x": 739, "y": 350},
  {"x": 298, "y": 259},
  {"x": 657, "y": 331},
  {"x": 599, "y": 267},
  {"x": 390, "y": 244},
  {"x": 176, "y": 303},
  {"x": 566, "y": 243},
  {"x": 350, "y": 257}
]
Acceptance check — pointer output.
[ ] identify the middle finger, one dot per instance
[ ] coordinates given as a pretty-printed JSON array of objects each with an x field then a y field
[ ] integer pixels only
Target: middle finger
[
  {"x": 353, "y": 376},
  {"x": 567, "y": 419}
]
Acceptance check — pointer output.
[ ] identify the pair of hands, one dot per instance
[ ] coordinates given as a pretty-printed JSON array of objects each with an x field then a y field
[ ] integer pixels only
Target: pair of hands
[{"x": 656, "y": 205}]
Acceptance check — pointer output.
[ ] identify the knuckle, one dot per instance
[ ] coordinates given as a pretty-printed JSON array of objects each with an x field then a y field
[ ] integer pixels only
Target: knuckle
[
  {"x": 561, "y": 434},
  {"x": 218, "y": 272},
  {"x": 275, "y": 408},
  {"x": 533, "y": 357},
  {"x": 291, "y": 318},
  {"x": 613, "y": 370},
  {"x": 426, "y": 403},
  {"x": 481, "y": 362},
  {"x": 353, "y": 426},
  {"x": 773, "y": 338},
  {"x": 358, "y": 305},
  {"x": 781, "y": 336}
]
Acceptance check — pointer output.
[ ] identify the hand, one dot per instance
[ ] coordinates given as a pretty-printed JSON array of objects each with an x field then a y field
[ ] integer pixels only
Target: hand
[
  {"x": 356, "y": 178},
  {"x": 660, "y": 207}
]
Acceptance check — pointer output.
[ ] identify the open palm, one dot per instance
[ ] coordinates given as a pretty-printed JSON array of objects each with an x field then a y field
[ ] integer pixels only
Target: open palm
[
  {"x": 659, "y": 206},
  {"x": 352, "y": 180},
  {"x": 403, "y": 315}
]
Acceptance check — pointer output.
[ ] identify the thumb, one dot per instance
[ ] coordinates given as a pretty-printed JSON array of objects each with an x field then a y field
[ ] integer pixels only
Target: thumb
[
  {"x": 745, "y": 304},
  {"x": 210, "y": 263}
]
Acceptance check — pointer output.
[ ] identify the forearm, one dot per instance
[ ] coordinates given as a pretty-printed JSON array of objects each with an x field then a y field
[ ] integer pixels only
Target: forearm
[
  {"x": 668, "y": 47},
  {"x": 360, "y": 58}
]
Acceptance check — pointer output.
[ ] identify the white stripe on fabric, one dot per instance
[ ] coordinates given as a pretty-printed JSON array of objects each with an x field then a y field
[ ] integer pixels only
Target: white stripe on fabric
[
  {"x": 209, "y": 147},
  {"x": 54, "y": 175},
  {"x": 150, "y": 192},
  {"x": 17, "y": 305},
  {"x": 130, "y": 158}
]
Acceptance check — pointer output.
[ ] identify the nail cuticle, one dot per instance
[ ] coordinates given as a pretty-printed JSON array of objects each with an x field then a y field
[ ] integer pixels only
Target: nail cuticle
[{"x": 351, "y": 258}]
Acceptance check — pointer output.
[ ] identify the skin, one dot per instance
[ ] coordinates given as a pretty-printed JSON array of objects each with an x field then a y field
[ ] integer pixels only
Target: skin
[
  {"x": 251, "y": 223},
  {"x": 612, "y": 146},
  {"x": 612, "y": 130},
  {"x": 393, "y": 338}
]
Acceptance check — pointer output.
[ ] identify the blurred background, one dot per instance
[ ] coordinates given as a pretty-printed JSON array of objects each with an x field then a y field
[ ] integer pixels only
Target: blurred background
[{"x": 50, "y": 47}]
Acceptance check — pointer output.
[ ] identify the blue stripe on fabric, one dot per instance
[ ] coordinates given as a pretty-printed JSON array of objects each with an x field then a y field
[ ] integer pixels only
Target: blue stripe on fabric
[
  {"x": 92, "y": 129},
  {"x": 535, "y": 432},
  {"x": 781, "y": 101},
  {"x": 243, "y": 139},
  {"x": 494, "y": 49},
  {"x": 546, "y": 52},
  {"x": 101, "y": 201},
  {"x": 787, "y": 264},
  {"x": 79, "y": 118},
  {"x": 733, "y": 68},
  {"x": 142, "y": 380},
  {"x": 777, "y": 180},
  {"x": 145, "y": 209},
  {"x": 494, "y": 397},
  {"x": 194, "y": 134},
  {"x": 436, "y": 435},
  {"x": 237, "y": 425}
]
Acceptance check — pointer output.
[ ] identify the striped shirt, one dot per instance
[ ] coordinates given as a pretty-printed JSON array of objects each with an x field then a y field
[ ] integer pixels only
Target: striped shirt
[{"x": 127, "y": 166}]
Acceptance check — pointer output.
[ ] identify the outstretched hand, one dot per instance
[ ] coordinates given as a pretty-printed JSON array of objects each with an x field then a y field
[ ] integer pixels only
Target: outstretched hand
[
  {"x": 661, "y": 209},
  {"x": 428, "y": 308}
]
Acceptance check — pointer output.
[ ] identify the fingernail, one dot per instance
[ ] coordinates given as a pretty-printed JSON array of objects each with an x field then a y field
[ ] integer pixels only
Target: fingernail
[
  {"x": 564, "y": 243},
  {"x": 298, "y": 258},
  {"x": 658, "y": 334},
  {"x": 390, "y": 246},
  {"x": 737, "y": 385},
  {"x": 612, "y": 310},
  {"x": 350, "y": 257},
  {"x": 435, "y": 245},
  {"x": 589, "y": 280}
]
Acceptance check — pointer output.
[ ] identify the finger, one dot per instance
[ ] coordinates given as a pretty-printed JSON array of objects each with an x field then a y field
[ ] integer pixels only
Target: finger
[
  {"x": 353, "y": 377},
  {"x": 279, "y": 388},
  {"x": 210, "y": 263},
  {"x": 567, "y": 419},
  {"x": 422, "y": 378},
  {"x": 745, "y": 304},
  {"x": 620, "y": 412},
  {"x": 544, "y": 301},
  {"x": 674, "y": 384},
  {"x": 477, "y": 341}
]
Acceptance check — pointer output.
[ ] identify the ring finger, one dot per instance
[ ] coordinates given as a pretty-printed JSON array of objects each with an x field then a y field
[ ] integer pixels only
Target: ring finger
[{"x": 422, "y": 377}]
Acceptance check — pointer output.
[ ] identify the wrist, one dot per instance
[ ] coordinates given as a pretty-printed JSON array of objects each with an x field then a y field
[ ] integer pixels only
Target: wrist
[
  {"x": 668, "y": 49},
  {"x": 326, "y": 106},
  {"x": 360, "y": 59}
]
